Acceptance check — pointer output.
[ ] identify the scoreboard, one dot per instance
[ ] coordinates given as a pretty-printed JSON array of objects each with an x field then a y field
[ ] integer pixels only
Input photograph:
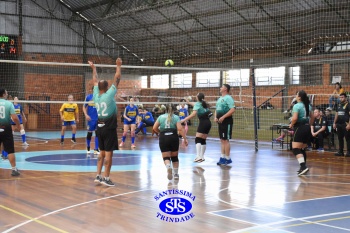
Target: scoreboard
[{"x": 9, "y": 48}]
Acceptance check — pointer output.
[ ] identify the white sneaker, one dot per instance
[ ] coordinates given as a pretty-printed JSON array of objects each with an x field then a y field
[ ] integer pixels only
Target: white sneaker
[
  {"x": 285, "y": 112},
  {"x": 197, "y": 159},
  {"x": 121, "y": 144},
  {"x": 25, "y": 144},
  {"x": 170, "y": 173}
]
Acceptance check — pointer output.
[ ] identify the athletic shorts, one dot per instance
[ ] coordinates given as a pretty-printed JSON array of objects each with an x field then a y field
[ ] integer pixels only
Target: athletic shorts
[
  {"x": 107, "y": 138},
  {"x": 302, "y": 134},
  {"x": 225, "y": 128},
  {"x": 92, "y": 125},
  {"x": 67, "y": 123},
  {"x": 132, "y": 122},
  {"x": 20, "y": 122},
  {"x": 168, "y": 142},
  {"x": 6, "y": 138},
  {"x": 204, "y": 126}
]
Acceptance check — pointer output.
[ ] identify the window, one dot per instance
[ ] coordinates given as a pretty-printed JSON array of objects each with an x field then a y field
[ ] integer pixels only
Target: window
[
  {"x": 143, "y": 81},
  {"x": 294, "y": 74},
  {"x": 160, "y": 81},
  {"x": 181, "y": 80},
  {"x": 237, "y": 77},
  {"x": 208, "y": 79},
  {"x": 270, "y": 76}
]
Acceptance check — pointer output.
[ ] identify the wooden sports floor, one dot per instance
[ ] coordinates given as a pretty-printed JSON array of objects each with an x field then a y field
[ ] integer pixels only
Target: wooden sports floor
[{"x": 259, "y": 192}]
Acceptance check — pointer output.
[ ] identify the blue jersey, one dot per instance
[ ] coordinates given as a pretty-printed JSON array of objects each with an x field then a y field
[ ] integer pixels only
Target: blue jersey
[
  {"x": 91, "y": 109},
  {"x": 18, "y": 111},
  {"x": 148, "y": 117},
  {"x": 183, "y": 113},
  {"x": 131, "y": 112}
]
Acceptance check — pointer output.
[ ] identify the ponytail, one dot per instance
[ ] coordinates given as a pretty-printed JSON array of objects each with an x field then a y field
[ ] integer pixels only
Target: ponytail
[
  {"x": 200, "y": 97},
  {"x": 305, "y": 99}
]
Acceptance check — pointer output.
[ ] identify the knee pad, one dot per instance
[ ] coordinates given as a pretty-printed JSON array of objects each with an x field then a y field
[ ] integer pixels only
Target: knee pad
[
  {"x": 166, "y": 158},
  {"x": 89, "y": 136},
  {"x": 22, "y": 132},
  {"x": 198, "y": 140},
  {"x": 174, "y": 159},
  {"x": 297, "y": 151}
]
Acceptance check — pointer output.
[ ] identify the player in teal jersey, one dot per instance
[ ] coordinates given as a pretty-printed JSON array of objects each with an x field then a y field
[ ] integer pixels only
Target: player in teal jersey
[
  {"x": 225, "y": 107},
  {"x": 7, "y": 111},
  {"x": 107, "y": 121},
  {"x": 169, "y": 124}
]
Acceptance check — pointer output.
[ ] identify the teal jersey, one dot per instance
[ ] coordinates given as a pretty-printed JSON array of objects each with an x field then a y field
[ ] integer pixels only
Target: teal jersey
[
  {"x": 6, "y": 109},
  {"x": 223, "y": 105},
  {"x": 164, "y": 124},
  {"x": 300, "y": 109},
  {"x": 199, "y": 108},
  {"x": 106, "y": 106}
]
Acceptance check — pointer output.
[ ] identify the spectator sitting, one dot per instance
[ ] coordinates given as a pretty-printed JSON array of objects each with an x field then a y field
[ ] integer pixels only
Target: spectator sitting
[
  {"x": 335, "y": 95},
  {"x": 319, "y": 130},
  {"x": 330, "y": 119}
]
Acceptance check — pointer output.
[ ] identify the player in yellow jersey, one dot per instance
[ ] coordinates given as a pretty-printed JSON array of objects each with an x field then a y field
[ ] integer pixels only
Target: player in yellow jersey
[{"x": 69, "y": 113}]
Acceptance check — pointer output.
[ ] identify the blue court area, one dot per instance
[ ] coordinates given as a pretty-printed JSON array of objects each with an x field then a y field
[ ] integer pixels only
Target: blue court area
[
  {"x": 78, "y": 161},
  {"x": 317, "y": 215}
]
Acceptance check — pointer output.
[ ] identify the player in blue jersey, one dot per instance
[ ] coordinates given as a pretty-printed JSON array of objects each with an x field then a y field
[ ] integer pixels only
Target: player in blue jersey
[
  {"x": 130, "y": 114},
  {"x": 146, "y": 120},
  {"x": 107, "y": 121},
  {"x": 91, "y": 117},
  {"x": 22, "y": 119},
  {"x": 7, "y": 111},
  {"x": 183, "y": 113}
]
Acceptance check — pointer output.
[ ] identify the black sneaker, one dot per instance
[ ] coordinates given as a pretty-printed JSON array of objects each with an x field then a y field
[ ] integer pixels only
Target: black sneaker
[
  {"x": 303, "y": 171},
  {"x": 107, "y": 182},
  {"x": 339, "y": 153},
  {"x": 15, "y": 173},
  {"x": 98, "y": 179}
]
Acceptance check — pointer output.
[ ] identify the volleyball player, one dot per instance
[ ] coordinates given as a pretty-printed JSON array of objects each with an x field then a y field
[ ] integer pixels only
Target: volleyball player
[
  {"x": 169, "y": 124},
  {"x": 183, "y": 113},
  {"x": 130, "y": 114},
  {"x": 107, "y": 121},
  {"x": 22, "y": 118},
  {"x": 146, "y": 120},
  {"x": 225, "y": 107},
  {"x": 201, "y": 109},
  {"x": 69, "y": 113},
  {"x": 7, "y": 111},
  {"x": 302, "y": 118},
  {"x": 91, "y": 117}
]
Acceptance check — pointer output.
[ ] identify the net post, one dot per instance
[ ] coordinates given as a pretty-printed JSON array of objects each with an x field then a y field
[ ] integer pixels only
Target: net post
[{"x": 255, "y": 110}]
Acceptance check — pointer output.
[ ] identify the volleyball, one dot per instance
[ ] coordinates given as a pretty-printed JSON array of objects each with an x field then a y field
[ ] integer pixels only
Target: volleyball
[{"x": 169, "y": 63}]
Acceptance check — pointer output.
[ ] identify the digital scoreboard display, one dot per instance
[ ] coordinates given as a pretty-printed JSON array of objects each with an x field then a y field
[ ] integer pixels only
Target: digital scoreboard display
[{"x": 9, "y": 47}]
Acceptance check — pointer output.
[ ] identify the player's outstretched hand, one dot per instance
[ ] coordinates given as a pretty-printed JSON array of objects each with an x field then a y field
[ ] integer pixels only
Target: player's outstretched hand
[
  {"x": 91, "y": 65},
  {"x": 118, "y": 62}
]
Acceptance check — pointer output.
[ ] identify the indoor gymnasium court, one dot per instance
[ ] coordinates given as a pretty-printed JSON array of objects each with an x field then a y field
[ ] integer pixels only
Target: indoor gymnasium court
[{"x": 263, "y": 54}]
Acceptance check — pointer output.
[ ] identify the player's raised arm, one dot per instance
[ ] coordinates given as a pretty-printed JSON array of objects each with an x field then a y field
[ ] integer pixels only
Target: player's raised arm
[
  {"x": 94, "y": 73},
  {"x": 118, "y": 71}
]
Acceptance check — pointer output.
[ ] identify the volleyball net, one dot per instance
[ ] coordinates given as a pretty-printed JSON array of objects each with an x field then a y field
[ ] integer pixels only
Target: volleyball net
[{"x": 42, "y": 88}]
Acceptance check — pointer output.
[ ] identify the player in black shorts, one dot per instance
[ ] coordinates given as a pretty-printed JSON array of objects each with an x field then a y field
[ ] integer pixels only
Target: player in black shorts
[
  {"x": 201, "y": 109},
  {"x": 302, "y": 118},
  {"x": 169, "y": 124},
  {"x": 106, "y": 132},
  {"x": 225, "y": 107},
  {"x": 7, "y": 111}
]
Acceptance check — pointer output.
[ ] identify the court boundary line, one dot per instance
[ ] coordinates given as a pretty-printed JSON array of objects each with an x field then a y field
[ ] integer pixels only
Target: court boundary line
[{"x": 70, "y": 207}]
